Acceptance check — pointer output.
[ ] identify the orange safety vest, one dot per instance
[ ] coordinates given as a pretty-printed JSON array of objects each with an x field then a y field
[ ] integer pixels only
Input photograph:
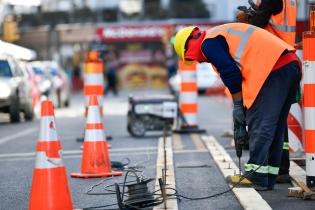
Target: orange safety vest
[
  {"x": 254, "y": 50},
  {"x": 283, "y": 25}
]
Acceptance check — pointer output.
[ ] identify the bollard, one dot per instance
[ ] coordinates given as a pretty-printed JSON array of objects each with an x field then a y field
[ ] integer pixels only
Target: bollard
[
  {"x": 93, "y": 69},
  {"x": 309, "y": 100},
  {"x": 188, "y": 99}
]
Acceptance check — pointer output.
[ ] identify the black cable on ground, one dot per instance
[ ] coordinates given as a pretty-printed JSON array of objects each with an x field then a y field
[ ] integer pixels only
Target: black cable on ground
[
  {"x": 220, "y": 193},
  {"x": 101, "y": 207},
  {"x": 176, "y": 194}
]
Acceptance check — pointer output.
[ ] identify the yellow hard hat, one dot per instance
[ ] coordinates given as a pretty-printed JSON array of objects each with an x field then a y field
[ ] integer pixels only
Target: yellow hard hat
[{"x": 180, "y": 42}]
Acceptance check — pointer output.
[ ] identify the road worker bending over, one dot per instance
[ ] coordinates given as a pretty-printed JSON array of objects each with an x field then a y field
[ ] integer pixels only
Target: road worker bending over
[
  {"x": 279, "y": 18},
  {"x": 262, "y": 73}
]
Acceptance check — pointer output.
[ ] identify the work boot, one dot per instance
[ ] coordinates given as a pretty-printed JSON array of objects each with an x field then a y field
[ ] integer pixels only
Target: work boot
[
  {"x": 283, "y": 179},
  {"x": 241, "y": 181}
]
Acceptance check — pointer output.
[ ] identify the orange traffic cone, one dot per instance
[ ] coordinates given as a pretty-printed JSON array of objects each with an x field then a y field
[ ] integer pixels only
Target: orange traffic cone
[
  {"x": 50, "y": 189},
  {"x": 95, "y": 159}
]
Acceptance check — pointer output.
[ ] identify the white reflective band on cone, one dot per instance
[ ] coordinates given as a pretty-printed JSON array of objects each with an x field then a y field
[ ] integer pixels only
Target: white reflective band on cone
[
  {"x": 93, "y": 79},
  {"x": 188, "y": 98},
  {"x": 309, "y": 113},
  {"x": 94, "y": 115},
  {"x": 48, "y": 129},
  {"x": 188, "y": 76},
  {"x": 310, "y": 164},
  {"x": 94, "y": 135},
  {"x": 309, "y": 72},
  {"x": 191, "y": 119},
  {"x": 42, "y": 161},
  {"x": 294, "y": 143}
]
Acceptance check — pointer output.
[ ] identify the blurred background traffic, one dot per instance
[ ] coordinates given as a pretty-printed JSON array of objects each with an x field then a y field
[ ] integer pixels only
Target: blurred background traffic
[{"x": 44, "y": 43}]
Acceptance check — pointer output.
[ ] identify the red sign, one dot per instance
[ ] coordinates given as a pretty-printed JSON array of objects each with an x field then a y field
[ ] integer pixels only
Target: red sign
[
  {"x": 145, "y": 32},
  {"x": 128, "y": 33}
]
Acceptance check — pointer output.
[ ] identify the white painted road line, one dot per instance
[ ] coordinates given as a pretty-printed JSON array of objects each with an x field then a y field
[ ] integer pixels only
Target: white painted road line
[
  {"x": 171, "y": 204},
  {"x": 68, "y": 154},
  {"x": 78, "y": 152},
  {"x": 249, "y": 198},
  {"x": 79, "y": 156},
  {"x": 17, "y": 135},
  {"x": 190, "y": 151}
]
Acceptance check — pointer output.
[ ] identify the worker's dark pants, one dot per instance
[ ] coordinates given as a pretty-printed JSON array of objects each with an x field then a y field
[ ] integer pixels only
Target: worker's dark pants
[
  {"x": 285, "y": 162},
  {"x": 266, "y": 120}
]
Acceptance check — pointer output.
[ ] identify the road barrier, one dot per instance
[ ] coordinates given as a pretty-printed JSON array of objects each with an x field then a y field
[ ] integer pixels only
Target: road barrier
[
  {"x": 95, "y": 158},
  {"x": 50, "y": 189},
  {"x": 309, "y": 105},
  {"x": 188, "y": 94},
  {"x": 93, "y": 69}
]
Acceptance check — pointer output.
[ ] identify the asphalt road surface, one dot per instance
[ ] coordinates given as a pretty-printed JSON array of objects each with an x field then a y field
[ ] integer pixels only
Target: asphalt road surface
[{"x": 196, "y": 173}]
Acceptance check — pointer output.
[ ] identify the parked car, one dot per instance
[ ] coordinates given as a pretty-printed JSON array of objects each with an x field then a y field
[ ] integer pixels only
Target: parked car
[
  {"x": 206, "y": 78},
  {"x": 16, "y": 92},
  {"x": 60, "y": 81},
  {"x": 27, "y": 68},
  {"x": 44, "y": 81}
]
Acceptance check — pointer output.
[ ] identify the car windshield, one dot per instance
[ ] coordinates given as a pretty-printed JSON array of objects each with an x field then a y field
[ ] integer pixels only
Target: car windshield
[
  {"x": 5, "y": 70},
  {"x": 53, "y": 71},
  {"x": 38, "y": 70}
]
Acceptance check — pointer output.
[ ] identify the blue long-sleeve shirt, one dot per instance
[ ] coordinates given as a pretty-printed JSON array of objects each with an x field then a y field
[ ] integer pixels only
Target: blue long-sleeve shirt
[{"x": 216, "y": 50}]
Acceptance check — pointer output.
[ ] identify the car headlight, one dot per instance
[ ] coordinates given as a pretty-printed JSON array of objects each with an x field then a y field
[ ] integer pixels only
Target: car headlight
[{"x": 5, "y": 91}]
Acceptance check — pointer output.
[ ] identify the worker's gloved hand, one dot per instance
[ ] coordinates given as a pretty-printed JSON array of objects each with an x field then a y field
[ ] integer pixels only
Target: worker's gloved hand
[
  {"x": 240, "y": 133},
  {"x": 248, "y": 11},
  {"x": 242, "y": 17}
]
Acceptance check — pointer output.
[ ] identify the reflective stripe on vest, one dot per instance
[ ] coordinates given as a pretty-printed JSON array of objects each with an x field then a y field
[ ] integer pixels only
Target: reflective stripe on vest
[
  {"x": 283, "y": 28},
  {"x": 262, "y": 169},
  {"x": 253, "y": 50},
  {"x": 243, "y": 35}
]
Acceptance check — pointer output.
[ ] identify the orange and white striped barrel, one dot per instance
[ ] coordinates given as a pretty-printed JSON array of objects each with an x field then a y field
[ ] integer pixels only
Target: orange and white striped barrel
[
  {"x": 309, "y": 105},
  {"x": 188, "y": 94},
  {"x": 93, "y": 69}
]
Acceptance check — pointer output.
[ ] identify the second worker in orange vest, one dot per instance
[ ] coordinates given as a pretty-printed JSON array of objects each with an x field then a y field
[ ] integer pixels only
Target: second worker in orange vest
[
  {"x": 262, "y": 73},
  {"x": 277, "y": 16}
]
